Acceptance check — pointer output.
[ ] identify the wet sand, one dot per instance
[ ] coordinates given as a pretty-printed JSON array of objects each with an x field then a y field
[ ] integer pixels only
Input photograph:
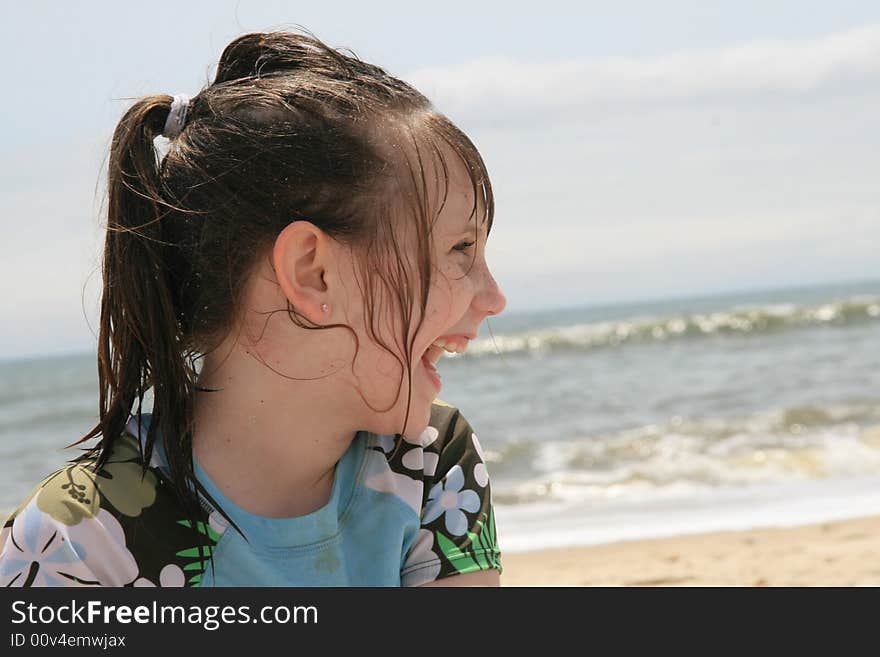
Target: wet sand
[{"x": 839, "y": 553}]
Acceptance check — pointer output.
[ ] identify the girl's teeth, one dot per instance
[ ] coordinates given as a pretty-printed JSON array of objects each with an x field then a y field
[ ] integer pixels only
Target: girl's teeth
[{"x": 442, "y": 344}]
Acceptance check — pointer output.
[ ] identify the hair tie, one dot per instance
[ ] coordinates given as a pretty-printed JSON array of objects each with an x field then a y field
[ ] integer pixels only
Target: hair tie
[{"x": 176, "y": 117}]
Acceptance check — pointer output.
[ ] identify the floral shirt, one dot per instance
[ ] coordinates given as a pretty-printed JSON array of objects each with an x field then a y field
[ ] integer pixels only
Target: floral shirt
[{"x": 393, "y": 519}]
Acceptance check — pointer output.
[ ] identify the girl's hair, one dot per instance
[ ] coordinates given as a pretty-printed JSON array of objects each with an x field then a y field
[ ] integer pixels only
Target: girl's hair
[{"x": 289, "y": 129}]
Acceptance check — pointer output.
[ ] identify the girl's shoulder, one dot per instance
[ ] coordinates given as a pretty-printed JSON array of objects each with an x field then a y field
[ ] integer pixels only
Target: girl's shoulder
[
  {"x": 118, "y": 525},
  {"x": 457, "y": 521}
]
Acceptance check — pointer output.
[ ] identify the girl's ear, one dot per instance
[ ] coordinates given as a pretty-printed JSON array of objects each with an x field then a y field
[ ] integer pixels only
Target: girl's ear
[{"x": 299, "y": 264}]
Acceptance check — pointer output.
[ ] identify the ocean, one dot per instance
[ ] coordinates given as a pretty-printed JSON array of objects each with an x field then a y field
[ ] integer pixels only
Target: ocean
[{"x": 609, "y": 423}]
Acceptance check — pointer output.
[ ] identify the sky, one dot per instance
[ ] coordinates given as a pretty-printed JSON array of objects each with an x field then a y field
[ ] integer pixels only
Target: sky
[{"x": 637, "y": 150}]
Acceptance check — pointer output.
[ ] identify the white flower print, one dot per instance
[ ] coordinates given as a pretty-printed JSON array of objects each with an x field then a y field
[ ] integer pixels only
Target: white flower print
[
  {"x": 414, "y": 459},
  {"x": 44, "y": 552},
  {"x": 217, "y": 522},
  {"x": 428, "y": 436},
  {"x": 431, "y": 460},
  {"x": 383, "y": 442},
  {"x": 478, "y": 447},
  {"x": 37, "y": 554},
  {"x": 171, "y": 575},
  {"x": 447, "y": 497},
  {"x": 101, "y": 541},
  {"x": 422, "y": 564},
  {"x": 4, "y": 534},
  {"x": 379, "y": 476},
  {"x": 481, "y": 475}
]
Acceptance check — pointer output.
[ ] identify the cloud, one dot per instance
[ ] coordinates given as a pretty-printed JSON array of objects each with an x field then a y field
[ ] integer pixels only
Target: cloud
[{"x": 498, "y": 88}]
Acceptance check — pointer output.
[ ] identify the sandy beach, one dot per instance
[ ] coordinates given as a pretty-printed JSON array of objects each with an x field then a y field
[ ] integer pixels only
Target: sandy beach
[{"x": 839, "y": 553}]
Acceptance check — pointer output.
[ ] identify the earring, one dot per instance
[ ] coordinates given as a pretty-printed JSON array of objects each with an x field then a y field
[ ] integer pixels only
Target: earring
[{"x": 325, "y": 307}]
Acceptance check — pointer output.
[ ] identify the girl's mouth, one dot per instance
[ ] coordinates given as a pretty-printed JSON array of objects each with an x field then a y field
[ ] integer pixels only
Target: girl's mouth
[{"x": 428, "y": 359}]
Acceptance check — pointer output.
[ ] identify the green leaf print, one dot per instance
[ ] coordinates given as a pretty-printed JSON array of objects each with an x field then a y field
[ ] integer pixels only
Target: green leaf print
[
  {"x": 486, "y": 549},
  {"x": 462, "y": 561},
  {"x": 198, "y": 556},
  {"x": 480, "y": 552}
]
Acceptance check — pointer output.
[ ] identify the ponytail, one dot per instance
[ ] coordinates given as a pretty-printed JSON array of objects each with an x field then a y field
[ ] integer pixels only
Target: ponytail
[{"x": 141, "y": 343}]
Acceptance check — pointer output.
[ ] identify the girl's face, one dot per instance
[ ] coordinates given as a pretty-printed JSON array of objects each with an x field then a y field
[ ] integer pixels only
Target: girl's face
[
  {"x": 363, "y": 385},
  {"x": 461, "y": 296}
]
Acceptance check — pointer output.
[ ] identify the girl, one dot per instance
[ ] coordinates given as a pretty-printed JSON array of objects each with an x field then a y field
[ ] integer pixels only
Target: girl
[{"x": 282, "y": 284}]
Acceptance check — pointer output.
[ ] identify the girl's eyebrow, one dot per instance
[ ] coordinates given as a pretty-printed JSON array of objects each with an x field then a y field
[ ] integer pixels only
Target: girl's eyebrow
[
  {"x": 468, "y": 223},
  {"x": 468, "y": 228}
]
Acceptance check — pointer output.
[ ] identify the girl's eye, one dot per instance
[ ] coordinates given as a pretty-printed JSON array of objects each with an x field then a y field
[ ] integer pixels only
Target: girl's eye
[{"x": 464, "y": 246}]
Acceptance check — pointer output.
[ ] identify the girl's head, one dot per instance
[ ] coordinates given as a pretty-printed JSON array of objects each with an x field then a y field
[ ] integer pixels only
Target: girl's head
[{"x": 302, "y": 177}]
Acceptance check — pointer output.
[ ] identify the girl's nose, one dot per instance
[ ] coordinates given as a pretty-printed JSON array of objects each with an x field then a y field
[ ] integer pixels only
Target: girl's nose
[{"x": 491, "y": 298}]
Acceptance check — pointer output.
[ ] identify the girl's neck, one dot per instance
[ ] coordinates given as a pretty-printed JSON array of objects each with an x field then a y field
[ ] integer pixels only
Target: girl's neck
[{"x": 272, "y": 450}]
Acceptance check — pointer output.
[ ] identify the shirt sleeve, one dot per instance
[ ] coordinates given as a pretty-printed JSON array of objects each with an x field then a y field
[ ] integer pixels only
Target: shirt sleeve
[
  {"x": 63, "y": 542},
  {"x": 120, "y": 526},
  {"x": 457, "y": 533}
]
